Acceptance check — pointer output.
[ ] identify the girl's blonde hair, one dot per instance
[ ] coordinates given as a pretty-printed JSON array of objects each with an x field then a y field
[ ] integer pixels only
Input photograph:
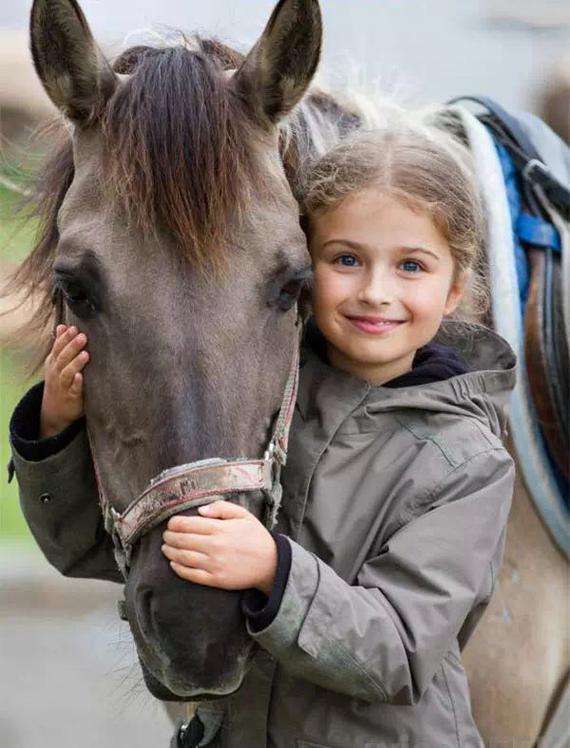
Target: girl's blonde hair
[{"x": 424, "y": 166}]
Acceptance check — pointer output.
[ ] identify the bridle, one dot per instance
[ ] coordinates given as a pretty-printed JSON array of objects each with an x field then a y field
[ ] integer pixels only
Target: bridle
[{"x": 202, "y": 482}]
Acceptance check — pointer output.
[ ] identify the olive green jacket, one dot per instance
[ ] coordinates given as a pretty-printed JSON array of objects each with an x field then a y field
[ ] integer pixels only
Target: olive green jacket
[{"x": 395, "y": 503}]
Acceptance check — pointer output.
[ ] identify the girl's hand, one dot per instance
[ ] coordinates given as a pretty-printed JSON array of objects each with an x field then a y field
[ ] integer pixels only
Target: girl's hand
[
  {"x": 62, "y": 401},
  {"x": 226, "y": 547}
]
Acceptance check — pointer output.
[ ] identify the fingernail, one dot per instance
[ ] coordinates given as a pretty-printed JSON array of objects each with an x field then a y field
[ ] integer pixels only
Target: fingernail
[{"x": 204, "y": 509}]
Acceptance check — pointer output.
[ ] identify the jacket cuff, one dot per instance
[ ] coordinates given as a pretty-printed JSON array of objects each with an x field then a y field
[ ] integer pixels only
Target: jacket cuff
[
  {"x": 313, "y": 639},
  {"x": 300, "y": 589},
  {"x": 259, "y": 609},
  {"x": 25, "y": 429}
]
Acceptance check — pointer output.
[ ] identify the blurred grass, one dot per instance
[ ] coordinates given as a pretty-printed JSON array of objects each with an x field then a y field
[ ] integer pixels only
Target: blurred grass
[
  {"x": 16, "y": 239},
  {"x": 16, "y": 234}
]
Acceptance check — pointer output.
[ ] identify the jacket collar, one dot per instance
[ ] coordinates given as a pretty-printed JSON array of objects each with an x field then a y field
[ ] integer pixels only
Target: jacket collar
[
  {"x": 318, "y": 382},
  {"x": 490, "y": 359}
]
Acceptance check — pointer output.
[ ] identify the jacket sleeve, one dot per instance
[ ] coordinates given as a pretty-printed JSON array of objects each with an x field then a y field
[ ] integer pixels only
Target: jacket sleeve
[
  {"x": 60, "y": 502},
  {"x": 384, "y": 638}
]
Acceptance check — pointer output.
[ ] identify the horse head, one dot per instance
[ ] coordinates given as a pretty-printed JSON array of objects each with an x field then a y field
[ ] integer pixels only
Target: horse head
[{"x": 174, "y": 244}]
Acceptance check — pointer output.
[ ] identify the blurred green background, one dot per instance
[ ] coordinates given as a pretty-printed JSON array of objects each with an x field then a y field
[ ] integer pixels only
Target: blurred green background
[{"x": 16, "y": 238}]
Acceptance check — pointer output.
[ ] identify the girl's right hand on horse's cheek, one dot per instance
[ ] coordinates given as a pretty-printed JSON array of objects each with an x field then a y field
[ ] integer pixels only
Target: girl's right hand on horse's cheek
[{"x": 62, "y": 402}]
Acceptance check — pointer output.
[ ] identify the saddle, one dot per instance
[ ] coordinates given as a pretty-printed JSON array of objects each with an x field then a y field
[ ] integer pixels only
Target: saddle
[
  {"x": 526, "y": 195},
  {"x": 547, "y": 336},
  {"x": 546, "y": 349}
]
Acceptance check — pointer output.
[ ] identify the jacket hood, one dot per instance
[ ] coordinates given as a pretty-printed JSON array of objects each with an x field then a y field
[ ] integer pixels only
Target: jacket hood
[{"x": 482, "y": 393}]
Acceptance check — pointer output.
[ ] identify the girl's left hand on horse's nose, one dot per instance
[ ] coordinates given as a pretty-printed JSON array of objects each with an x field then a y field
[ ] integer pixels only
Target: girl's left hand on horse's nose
[{"x": 226, "y": 547}]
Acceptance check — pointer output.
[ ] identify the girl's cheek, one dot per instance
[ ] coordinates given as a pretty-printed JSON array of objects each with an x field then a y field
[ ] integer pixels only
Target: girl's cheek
[
  {"x": 332, "y": 283},
  {"x": 327, "y": 296},
  {"x": 427, "y": 300},
  {"x": 322, "y": 284}
]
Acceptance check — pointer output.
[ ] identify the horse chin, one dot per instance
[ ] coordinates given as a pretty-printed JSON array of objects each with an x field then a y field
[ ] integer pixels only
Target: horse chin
[{"x": 176, "y": 689}]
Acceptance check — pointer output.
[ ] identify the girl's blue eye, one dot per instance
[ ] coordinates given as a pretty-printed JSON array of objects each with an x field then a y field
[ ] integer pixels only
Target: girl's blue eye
[
  {"x": 411, "y": 266},
  {"x": 347, "y": 261}
]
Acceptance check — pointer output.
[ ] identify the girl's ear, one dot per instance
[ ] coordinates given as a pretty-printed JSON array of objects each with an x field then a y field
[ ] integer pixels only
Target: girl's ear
[{"x": 455, "y": 293}]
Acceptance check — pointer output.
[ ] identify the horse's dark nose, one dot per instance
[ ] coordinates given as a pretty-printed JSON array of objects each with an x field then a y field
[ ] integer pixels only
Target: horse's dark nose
[{"x": 188, "y": 635}]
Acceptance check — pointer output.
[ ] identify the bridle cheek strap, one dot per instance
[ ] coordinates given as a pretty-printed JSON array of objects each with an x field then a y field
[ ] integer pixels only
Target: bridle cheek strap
[{"x": 198, "y": 483}]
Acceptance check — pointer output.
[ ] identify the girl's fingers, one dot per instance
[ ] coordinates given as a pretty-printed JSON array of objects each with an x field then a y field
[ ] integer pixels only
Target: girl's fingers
[
  {"x": 191, "y": 559},
  {"x": 187, "y": 541},
  {"x": 76, "y": 385},
  {"x": 67, "y": 375},
  {"x": 70, "y": 352},
  {"x": 62, "y": 340},
  {"x": 198, "y": 576},
  {"x": 193, "y": 524}
]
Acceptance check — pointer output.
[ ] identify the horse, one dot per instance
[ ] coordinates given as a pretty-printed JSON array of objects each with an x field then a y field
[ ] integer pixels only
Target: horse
[
  {"x": 181, "y": 157},
  {"x": 170, "y": 236}
]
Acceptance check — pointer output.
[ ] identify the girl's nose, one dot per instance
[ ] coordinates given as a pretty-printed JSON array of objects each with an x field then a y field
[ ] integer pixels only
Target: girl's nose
[{"x": 376, "y": 290}]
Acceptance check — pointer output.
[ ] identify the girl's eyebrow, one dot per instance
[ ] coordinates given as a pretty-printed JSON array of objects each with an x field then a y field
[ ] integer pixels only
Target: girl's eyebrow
[
  {"x": 421, "y": 249},
  {"x": 404, "y": 249}
]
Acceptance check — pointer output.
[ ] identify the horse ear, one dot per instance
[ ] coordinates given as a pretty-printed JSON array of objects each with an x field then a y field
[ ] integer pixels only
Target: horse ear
[
  {"x": 71, "y": 67},
  {"x": 279, "y": 68}
]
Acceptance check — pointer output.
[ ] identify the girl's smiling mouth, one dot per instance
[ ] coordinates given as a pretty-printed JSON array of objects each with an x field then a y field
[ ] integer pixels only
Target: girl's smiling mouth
[{"x": 375, "y": 325}]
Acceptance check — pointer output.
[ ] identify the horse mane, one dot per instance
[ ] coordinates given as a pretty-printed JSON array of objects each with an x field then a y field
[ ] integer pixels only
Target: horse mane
[{"x": 180, "y": 145}]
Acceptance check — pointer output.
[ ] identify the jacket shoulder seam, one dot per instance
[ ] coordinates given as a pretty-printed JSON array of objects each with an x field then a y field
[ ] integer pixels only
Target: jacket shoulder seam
[
  {"x": 430, "y": 493},
  {"x": 443, "y": 444}
]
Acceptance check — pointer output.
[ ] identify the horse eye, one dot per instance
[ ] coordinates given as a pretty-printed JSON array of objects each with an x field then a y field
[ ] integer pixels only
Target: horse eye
[
  {"x": 74, "y": 293},
  {"x": 290, "y": 292},
  {"x": 75, "y": 297},
  {"x": 289, "y": 295}
]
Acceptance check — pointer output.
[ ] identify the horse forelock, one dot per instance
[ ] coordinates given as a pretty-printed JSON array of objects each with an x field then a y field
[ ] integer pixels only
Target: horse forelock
[{"x": 181, "y": 149}]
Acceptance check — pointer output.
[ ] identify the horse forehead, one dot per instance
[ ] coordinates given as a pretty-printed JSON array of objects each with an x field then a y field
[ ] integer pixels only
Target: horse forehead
[
  {"x": 274, "y": 214},
  {"x": 89, "y": 209},
  {"x": 85, "y": 194},
  {"x": 88, "y": 148}
]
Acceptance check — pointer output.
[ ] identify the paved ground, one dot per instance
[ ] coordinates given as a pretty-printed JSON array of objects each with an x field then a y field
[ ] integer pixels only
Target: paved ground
[{"x": 69, "y": 675}]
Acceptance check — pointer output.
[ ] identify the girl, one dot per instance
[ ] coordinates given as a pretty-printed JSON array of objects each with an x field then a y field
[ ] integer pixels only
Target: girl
[{"x": 397, "y": 487}]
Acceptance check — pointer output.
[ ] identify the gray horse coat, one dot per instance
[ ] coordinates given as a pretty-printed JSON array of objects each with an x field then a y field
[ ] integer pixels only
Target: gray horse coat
[{"x": 395, "y": 505}]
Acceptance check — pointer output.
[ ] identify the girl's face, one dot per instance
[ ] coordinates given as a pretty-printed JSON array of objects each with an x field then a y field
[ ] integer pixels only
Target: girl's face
[{"x": 383, "y": 281}]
